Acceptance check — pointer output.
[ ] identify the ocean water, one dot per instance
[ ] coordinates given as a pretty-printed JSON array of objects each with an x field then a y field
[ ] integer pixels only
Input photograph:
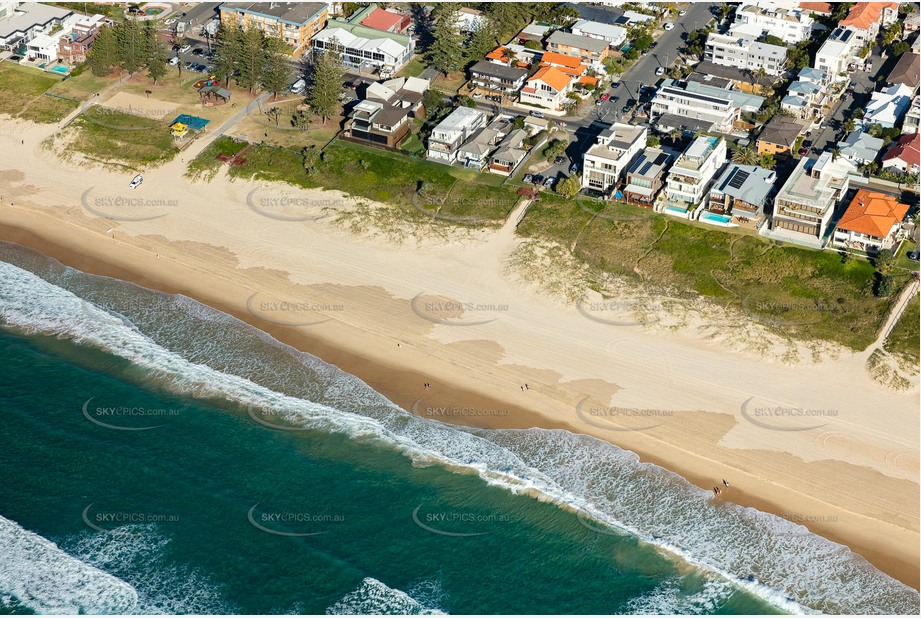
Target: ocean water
[{"x": 159, "y": 456}]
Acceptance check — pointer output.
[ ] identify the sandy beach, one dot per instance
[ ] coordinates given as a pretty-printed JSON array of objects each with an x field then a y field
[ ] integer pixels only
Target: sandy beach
[{"x": 453, "y": 314}]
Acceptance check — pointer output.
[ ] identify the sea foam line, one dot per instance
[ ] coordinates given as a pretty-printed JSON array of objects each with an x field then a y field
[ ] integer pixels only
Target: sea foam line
[{"x": 504, "y": 458}]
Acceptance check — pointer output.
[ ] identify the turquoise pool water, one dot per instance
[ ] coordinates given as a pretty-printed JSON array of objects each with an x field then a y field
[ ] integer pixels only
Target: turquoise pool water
[
  {"x": 60, "y": 69},
  {"x": 709, "y": 216},
  {"x": 677, "y": 211}
]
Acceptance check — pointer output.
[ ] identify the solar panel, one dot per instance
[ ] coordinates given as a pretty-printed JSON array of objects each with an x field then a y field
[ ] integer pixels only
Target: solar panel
[
  {"x": 636, "y": 164},
  {"x": 661, "y": 159},
  {"x": 738, "y": 179},
  {"x": 646, "y": 168}
]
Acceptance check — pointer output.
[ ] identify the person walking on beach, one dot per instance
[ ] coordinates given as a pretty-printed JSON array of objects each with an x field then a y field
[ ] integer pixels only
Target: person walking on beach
[{"x": 725, "y": 482}]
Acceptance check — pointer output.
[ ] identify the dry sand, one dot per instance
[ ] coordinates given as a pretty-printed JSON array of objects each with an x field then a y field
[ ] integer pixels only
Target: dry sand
[{"x": 853, "y": 479}]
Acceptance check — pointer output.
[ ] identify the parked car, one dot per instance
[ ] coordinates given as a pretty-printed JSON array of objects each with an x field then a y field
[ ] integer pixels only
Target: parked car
[
  {"x": 298, "y": 86},
  {"x": 477, "y": 95},
  {"x": 559, "y": 160},
  {"x": 174, "y": 61},
  {"x": 136, "y": 181},
  {"x": 615, "y": 85},
  {"x": 598, "y": 102},
  {"x": 914, "y": 255},
  {"x": 803, "y": 152},
  {"x": 604, "y": 97},
  {"x": 185, "y": 48},
  {"x": 574, "y": 168},
  {"x": 528, "y": 178},
  {"x": 197, "y": 51},
  {"x": 549, "y": 182},
  {"x": 660, "y": 71},
  {"x": 537, "y": 114},
  {"x": 807, "y": 143},
  {"x": 669, "y": 25},
  {"x": 188, "y": 64},
  {"x": 537, "y": 179}
]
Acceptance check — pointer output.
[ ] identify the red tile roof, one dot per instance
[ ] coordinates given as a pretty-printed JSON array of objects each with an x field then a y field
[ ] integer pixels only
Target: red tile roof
[
  {"x": 907, "y": 149},
  {"x": 554, "y": 58},
  {"x": 379, "y": 19},
  {"x": 822, "y": 8},
  {"x": 553, "y": 77},
  {"x": 872, "y": 214},
  {"x": 864, "y": 14}
]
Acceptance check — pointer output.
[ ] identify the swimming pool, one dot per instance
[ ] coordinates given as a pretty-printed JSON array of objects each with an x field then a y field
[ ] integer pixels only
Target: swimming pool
[
  {"x": 60, "y": 68},
  {"x": 672, "y": 210},
  {"x": 714, "y": 218}
]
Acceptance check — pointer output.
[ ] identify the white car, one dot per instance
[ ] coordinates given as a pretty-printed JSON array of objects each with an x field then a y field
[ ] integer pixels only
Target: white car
[
  {"x": 477, "y": 95},
  {"x": 669, "y": 26},
  {"x": 185, "y": 48},
  {"x": 136, "y": 181},
  {"x": 174, "y": 61},
  {"x": 660, "y": 71}
]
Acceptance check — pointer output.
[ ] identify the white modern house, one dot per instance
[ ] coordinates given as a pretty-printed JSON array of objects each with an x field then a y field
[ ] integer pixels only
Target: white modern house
[
  {"x": 805, "y": 204},
  {"x": 859, "y": 147},
  {"x": 838, "y": 51},
  {"x": 614, "y": 35},
  {"x": 690, "y": 177},
  {"x": 615, "y": 148},
  {"x": 22, "y": 22},
  {"x": 451, "y": 133},
  {"x": 887, "y": 106},
  {"x": 745, "y": 52},
  {"x": 786, "y": 22}
]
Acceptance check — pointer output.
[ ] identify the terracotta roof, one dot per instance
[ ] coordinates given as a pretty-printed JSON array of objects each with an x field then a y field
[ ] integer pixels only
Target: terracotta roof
[
  {"x": 864, "y": 14},
  {"x": 553, "y": 77},
  {"x": 872, "y": 214},
  {"x": 560, "y": 59},
  {"x": 496, "y": 54},
  {"x": 823, "y": 8},
  {"x": 379, "y": 19},
  {"x": 907, "y": 149},
  {"x": 588, "y": 80}
]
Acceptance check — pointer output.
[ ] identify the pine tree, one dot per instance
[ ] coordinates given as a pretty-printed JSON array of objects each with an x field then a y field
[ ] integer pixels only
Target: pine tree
[
  {"x": 226, "y": 53},
  {"x": 482, "y": 42},
  {"x": 275, "y": 70},
  {"x": 132, "y": 45},
  {"x": 250, "y": 58},
  {"x": 445, "y": 53},
  {"x": 104, "y": 53},
  {"x": 325, "y": 83},
  {"x": 156, "y": 64}
]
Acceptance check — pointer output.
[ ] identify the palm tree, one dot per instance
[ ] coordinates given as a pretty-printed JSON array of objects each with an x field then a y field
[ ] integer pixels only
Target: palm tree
[
  {"x": 675, "y": 134},
  {"x": 744, "y": 155},
  {"x": 767, "y": 161},
  {"x": 849, "y": 125}
]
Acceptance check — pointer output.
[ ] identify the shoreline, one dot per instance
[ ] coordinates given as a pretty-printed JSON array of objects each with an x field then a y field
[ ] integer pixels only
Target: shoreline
[
  {"x": 851, "y": 478},
  {"x": 389, "y": 381}
]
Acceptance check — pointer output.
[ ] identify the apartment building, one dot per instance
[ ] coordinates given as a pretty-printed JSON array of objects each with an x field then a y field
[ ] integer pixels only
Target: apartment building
[
  {"x": 790, "y": 24},
  {"x": 547, "y": 88},
  {"x": 586, "y": 48},
  {"x": 912, "y": 116},
  {"x": 690, "y": 177},
  {"x": 451, "y": 133},
  {"x": 745, "y": 53},
  {"x": 646, "y": 177},
  {"x": 838, "y": 51},
  {"x": 293, "y": 22},
  {"x": 364, "y": 48},
  {"x": 712, "y": 111},
  {"x": 614, "y": 150},
  {"x": 805, "y": 204}
]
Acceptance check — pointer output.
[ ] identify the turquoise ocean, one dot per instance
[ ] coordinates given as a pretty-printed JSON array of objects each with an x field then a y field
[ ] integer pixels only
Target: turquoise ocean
[{"x": 159, "y": 456}]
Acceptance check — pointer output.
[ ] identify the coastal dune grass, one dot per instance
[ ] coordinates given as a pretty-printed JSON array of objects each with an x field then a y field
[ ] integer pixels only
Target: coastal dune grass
[
  {"x": 903, "y": 340},
  {"x": 794, "y": 291},
  {"x": 22, "y": 95},
  {"x": 110, "y": 136}
]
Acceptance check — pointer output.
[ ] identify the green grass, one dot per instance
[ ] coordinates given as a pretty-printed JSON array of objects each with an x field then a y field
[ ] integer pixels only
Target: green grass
[
  {"x": 796, "y": 291},
  {"x": 82, "y": 86},
  {"x": 413, "y": 145},
  {"x": 110, "y": 136},
  {"x": 206, "y": 164},
  {"x": 901, "y": 258},
  {"x": 374, "y": 174},
  {"x": 904, "y": 338},
  {"x": 22, "y": 94}
]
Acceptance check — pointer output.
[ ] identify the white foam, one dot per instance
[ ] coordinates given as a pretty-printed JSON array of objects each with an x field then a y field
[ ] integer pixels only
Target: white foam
[
  {"x": 40, "y": 576},
  {"x": 772, "y": 558},
  {"x": 373, "y": 597}
]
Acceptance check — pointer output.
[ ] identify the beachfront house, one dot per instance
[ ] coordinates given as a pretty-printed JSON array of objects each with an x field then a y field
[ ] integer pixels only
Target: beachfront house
[
  {"x": 742, "y": 192},
  {"x": 646, "y": 177},
  {"x": 614, "y": 150},
  {"x": 871, "y": 222},
  {"x": 805, "y": 204},
  {"x": 690, "y": 177},
  {"x": 451, "y": 133}
]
